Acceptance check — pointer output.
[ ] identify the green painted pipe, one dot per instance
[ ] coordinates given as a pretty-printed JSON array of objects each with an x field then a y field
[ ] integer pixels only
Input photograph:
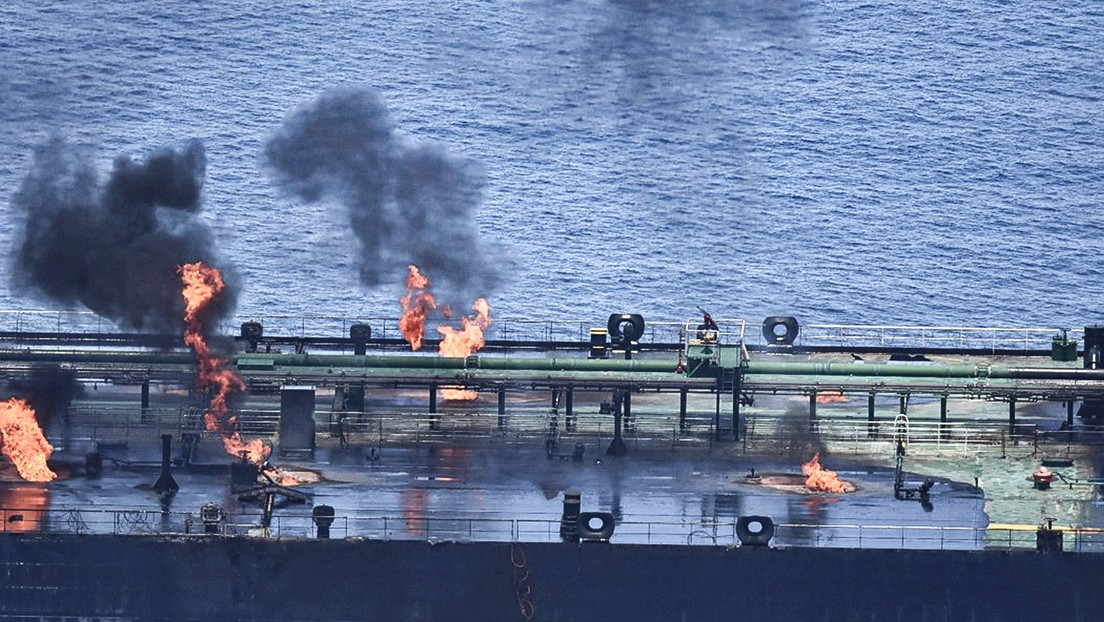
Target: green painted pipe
[
  {"x": 874, "y": 369},
  {"x": 407, "y": 361}
]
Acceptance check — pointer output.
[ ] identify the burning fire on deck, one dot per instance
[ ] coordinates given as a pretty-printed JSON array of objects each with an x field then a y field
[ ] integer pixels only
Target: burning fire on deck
[
  {"x": 202, "y": 284},
  {"x": 416, "y": 305},
  {"x": 22, "y": 441},
  {"x": 455, "y": 342},
  {"x": 831, "y": 397},
  {"x": 822, "y": 479}
]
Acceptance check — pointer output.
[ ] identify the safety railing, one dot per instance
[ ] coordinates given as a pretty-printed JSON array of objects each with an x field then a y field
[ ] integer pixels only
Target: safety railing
[
  {"x": 578, "y": 330},
  {"x": 722, "y": 532},
  {"x": 467, "y": 422},
  {"x": 951, "y": 337},
  {"x": 923, "y": 436}
]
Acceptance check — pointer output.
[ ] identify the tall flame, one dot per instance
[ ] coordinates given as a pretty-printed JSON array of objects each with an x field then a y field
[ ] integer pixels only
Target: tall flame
[
  {"x": 455, "y": 343},
  {"x": 202, "y": 284},
  {"x": 22, "y": 441},
  {"x": 460, "y": 343},
  {"x": 415, "y": 304},
  {"x": 819, "y": 478}
]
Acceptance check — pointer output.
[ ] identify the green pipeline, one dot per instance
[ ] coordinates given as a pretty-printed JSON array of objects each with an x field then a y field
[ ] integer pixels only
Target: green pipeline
[{"x": 384, "y": 361}]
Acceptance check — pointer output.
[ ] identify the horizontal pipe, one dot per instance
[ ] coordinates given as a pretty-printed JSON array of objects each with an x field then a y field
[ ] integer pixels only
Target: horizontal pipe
[
  {"x": 867, "y": 369},
  {"x": 638, "y": 365},
  {"x": 381, "y": 361}
]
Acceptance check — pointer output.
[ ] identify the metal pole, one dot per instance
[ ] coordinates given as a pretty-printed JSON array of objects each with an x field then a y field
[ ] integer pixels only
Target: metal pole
[
  {"x": 627, "y": 404},
  {"x": 870, "y": 426},
  {"x": 682, "y": 408},
  {"x": 502, "y": 408},
  {"x": 736, "y": 407},
  {"x": 1012, "y": 415},
  {"x": 434, "y": 420},
  {"x": 569, "y": 409},
  {"x": 943, "y": 431}
]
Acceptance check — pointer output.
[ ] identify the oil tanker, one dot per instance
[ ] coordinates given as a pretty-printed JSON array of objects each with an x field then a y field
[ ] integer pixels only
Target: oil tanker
[{"x": 617, "y": 470}]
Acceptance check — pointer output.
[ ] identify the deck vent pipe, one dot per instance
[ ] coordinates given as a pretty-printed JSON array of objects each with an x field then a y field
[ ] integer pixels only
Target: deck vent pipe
[
  {"x": 252, "y": 332},
  {"x": 166, "y": 485},
  {"x": 210, "y": 514},
  {"x": 323, "y": 516},
  {"x": 359, "y": 334},
  {"x": 569, "y": 522}
]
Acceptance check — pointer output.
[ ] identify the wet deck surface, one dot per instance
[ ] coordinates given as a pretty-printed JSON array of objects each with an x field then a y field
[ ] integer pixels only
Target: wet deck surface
[{"x": 482, "y": 476}]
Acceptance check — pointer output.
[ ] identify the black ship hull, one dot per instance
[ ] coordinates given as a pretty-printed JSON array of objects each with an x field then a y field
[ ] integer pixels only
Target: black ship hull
[{"x": 240, "y": 578}]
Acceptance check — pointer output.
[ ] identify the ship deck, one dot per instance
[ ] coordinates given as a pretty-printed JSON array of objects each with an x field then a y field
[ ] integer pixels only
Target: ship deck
[{"x": 409, "y": 464}]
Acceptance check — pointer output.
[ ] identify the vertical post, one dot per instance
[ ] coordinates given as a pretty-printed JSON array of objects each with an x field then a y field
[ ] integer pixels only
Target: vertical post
[
  {"x": 904, "y": 403},
  {"x": 943, "y": 431},
  {"x": 682, "y": 408},
  {"x": 145, "y": 401},
  {"x": 617, "y": 445},
  {"x": 626, "y": 402},
  {"x": 1069, "y": 413},
  {"x": 501, "y": 408},
  {"x": 717, "y": 412},
  {"x": 812, "y": 406},
  {"x": 569, "y": 409},
  {"x": 870, "y": 415},
  {"x": 736, "y": 406},
  {"x": 1012, "y": 415},
  {"x": 434, "y": 420}
]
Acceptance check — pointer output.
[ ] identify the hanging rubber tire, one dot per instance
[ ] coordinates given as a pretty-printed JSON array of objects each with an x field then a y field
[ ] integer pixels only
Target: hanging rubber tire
[
  {"x": 775, "y": 338},
  {"x": 601, "y": 533},
  {"x": 625, "y": 327},
  {"x": 754, "y": 530}
]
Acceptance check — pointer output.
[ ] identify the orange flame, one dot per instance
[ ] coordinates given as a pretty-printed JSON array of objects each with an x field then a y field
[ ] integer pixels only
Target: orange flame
[
  {"x": 23, "y": 508},
  {"x": 416, "y": 304},
  {"x": 202, "y": 284},
  {"x": 819, "y": 478},
  {"x": 22, "y": 441},
  {"x": 461, "y": 343},
  {"x": 828, "y": 397},
  {"x": 279, "y": 477}
]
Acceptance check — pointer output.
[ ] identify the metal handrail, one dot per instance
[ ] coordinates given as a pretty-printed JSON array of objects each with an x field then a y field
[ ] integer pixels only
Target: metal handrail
[
  {"x": 573, "y": 329},
  {"x": 490, "y": 529}
]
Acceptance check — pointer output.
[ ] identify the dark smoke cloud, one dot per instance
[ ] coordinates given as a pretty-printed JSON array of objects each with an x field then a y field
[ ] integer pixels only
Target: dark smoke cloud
[
  {"x": 48, "y": 389},
  {"x": 114, "y": 247},
  {"x": 407, "y": 203}
]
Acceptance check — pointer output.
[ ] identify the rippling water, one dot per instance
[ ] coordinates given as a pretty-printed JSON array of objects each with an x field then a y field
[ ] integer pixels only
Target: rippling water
[{"x": 845, "y": 162}]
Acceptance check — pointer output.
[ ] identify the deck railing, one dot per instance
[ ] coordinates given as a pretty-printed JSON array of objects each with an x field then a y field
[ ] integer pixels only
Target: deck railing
[
  {"x": 288, "y": 525},
  {"x": 578, "y": 330}
]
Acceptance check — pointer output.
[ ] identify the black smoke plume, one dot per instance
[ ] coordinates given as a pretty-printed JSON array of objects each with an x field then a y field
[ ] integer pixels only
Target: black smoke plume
[
  {"x": 114, "y": 247},
  {"x": 48, "y": 389},
  {"x": 408, "y": 203}
]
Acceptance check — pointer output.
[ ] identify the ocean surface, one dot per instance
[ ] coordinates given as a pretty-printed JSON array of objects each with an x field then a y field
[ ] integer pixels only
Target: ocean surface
[{"x": 898, "y": 162}]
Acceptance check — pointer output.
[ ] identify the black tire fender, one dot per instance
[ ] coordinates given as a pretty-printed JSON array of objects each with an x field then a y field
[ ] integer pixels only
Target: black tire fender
[
  {"x": 624, "y": 327},
  {"x": 771, "y": 334},
  {"x": 600, "y": 533},
  {"x": 754, "y": 530}
]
